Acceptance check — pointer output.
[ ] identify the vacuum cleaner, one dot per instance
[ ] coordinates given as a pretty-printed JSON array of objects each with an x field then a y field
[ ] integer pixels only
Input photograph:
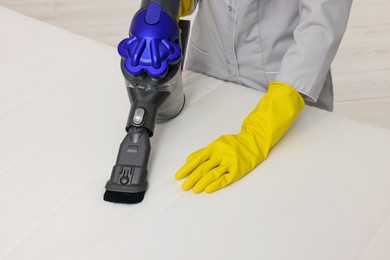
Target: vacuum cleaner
[{"x": 152, "y": 59}]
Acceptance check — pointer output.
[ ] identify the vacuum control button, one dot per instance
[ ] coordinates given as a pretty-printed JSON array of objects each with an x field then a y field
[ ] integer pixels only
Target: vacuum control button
[
  {"x": 139, "y": 115},
  {"x": 153, "y": 13}
]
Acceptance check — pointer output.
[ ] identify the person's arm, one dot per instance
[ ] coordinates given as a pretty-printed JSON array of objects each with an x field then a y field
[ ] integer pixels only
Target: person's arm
[
  {"x": 316, "y": 40},
  {"x": 304, "y": 67}
]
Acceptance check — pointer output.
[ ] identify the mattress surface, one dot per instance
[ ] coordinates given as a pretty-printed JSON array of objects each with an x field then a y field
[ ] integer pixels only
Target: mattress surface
[{"x": 323, "y": 193}]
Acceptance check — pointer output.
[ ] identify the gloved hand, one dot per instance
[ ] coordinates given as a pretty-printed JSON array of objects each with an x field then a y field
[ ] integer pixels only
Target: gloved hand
[
  {"x": 186, "y": 7},
  {"x": 231, "y": 157}
]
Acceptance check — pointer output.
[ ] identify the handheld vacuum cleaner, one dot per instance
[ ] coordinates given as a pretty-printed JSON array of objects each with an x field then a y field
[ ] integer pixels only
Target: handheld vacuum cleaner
[{"x": 152, "y": 61}]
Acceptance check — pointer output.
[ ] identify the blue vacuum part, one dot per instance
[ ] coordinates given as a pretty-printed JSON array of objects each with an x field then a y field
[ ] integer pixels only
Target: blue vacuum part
[{"x": 153, "y": 43}]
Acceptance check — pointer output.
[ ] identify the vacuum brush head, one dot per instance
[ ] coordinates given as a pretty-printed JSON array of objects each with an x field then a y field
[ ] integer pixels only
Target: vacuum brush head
[{"x": 123, "y": 197}]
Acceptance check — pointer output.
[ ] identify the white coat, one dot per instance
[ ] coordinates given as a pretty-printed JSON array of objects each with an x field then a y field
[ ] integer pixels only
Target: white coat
[{"x": 254, "y": 42}]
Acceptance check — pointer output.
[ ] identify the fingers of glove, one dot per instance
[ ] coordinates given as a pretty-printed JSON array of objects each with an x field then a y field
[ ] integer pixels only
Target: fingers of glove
[
  {"x": 193, "y": 161},
  {"x": 223, "y": 181},
  {"x": 209, "y": 178},
  {"x": 198, "y": 173}
]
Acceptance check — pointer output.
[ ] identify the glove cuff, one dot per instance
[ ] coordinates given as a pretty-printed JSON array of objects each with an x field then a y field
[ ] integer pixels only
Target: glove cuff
[
  {"x": 274, "y": 114},
  {"x": 278, "y": 88}
]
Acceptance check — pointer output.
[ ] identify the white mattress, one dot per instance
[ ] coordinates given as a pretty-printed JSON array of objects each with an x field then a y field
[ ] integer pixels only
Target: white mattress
[{"x": 323, "y": 193}]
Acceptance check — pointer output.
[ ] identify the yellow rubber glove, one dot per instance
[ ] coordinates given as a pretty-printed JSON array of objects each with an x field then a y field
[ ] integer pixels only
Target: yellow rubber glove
[
  {"x": 231, "y": 157},
  {"x": 186, "y": 7}
]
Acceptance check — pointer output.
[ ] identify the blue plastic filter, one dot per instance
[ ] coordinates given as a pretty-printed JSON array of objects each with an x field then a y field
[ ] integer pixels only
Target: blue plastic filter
[{"x": 153, "y": 43}]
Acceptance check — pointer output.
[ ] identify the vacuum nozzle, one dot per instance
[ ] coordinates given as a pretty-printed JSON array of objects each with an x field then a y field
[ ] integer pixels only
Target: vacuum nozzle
[{"x": 128, "y": 182}]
